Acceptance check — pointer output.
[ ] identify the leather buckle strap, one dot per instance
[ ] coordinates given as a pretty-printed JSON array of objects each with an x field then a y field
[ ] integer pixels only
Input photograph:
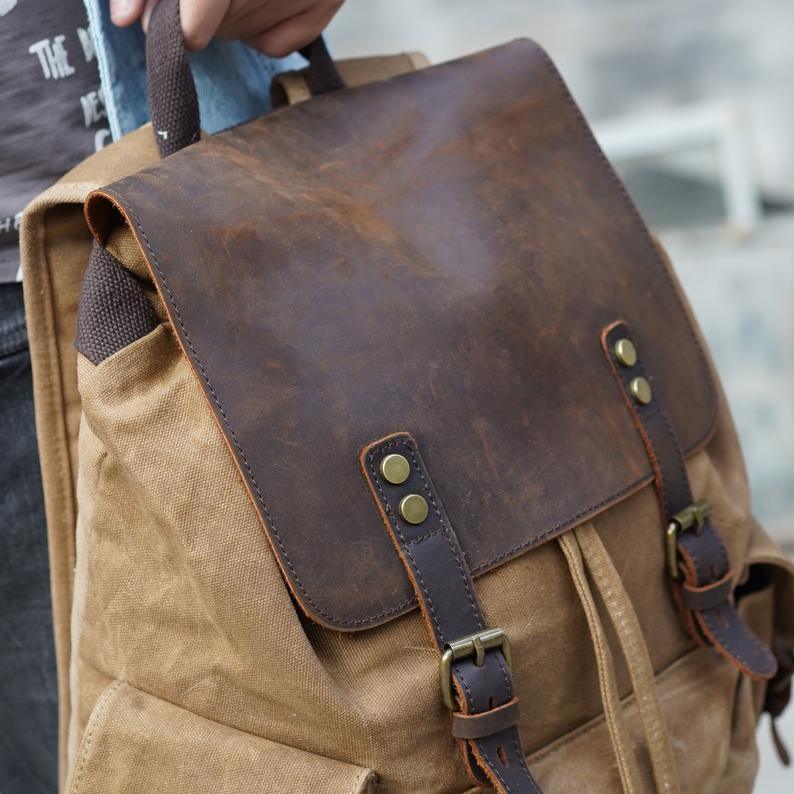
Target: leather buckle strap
[
  {"x": 474, "y": 645},
  {"x": 697, "y": 559},
  {"x": 690, "y": 517},
  {"x": 476, "y": 682}
]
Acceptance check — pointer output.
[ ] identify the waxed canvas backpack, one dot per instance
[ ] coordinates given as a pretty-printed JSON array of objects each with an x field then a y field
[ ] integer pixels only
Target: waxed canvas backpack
[{"x": 393, "y": 457}]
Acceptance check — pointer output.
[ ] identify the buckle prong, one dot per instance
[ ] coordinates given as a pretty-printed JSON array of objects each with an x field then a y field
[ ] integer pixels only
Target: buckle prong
[
  {"x": 690, "y": 517},
  {"x": 474, "y": 645}
]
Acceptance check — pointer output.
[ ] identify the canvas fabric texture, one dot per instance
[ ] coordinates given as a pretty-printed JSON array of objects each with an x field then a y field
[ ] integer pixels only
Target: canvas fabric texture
[
  {"x": 180, "y": 556},
  {"x": 184, "y": 664}
]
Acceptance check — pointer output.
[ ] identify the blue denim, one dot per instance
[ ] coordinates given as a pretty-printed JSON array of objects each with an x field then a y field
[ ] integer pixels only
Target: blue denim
[
  {"x": 28, "y": 692},
  {"x": 232, "y": 80},
  {"x": 233, "y": 84}
]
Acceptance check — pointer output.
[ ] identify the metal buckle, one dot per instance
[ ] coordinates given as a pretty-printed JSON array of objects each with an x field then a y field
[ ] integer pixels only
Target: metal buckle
[
  {"x": 693, "y": 516},
  {"x": 474, "y": 645}
]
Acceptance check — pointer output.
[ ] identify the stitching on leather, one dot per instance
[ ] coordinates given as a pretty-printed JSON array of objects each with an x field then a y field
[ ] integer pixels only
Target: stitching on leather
[
  {"x": 519, "y": 753},
  {"x": 632, "y": 208},
  {"x": 536, "y": 541},
  {"x": 465, "y": 686},
  {"x": 739, "y": 624},
  {"x": 508, "y": 679},
  {"x": 643, "y": 419},
  {"x": 446, "y": 532},
  {"x": 679, "y": 457},
  {"x": 296, "y": 577},
  {"x": 421, "y": 538},
  {"x": 491, "y": 765},
  {"x": 395, "y": 524},
  {"x": 514, "y": 730}
]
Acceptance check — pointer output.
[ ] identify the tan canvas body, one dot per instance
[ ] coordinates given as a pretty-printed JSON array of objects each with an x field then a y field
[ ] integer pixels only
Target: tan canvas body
[{"x": 184, "y": 664}]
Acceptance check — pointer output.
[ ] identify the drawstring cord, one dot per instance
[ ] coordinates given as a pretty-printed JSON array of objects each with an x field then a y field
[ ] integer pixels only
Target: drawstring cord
[{"x": 583, "y": 548}]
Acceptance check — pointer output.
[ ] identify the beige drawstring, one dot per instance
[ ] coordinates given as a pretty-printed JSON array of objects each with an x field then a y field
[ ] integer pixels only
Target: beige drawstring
[
  {"x": 610, "y": 696},
  {"x": 621, "y": 612}
]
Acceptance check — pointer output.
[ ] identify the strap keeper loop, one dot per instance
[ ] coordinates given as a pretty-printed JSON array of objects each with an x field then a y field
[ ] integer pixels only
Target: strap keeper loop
[
  {"x": 708, "y": 596},
  {"x": 487, "y": 723}
]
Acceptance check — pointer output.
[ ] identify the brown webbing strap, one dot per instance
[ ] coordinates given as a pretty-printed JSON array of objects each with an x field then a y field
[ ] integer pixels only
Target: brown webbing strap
[
  {"x": 173, "y": 101},
  {"x": 475, "y": 660},
  {"x": 699, "y": 566},
  {"x": 322, "y": 75},
  {"x": 114, "y": 311}
]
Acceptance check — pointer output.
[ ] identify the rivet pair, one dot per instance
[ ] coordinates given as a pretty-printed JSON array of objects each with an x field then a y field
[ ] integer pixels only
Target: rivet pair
[
  {"x": 396, "y": 469},
  {"x": 626, "y": 355}
]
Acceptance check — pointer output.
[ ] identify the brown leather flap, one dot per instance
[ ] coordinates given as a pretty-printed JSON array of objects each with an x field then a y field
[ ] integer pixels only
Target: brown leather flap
[{"x": 436, "y": 253}]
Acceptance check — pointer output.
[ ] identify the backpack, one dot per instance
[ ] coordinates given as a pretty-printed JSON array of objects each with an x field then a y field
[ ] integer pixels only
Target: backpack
[{"x": 388, "y": 456}]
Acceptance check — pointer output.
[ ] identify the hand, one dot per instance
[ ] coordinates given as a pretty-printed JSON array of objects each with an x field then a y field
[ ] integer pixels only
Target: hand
[{"x": 274, "y": 27}]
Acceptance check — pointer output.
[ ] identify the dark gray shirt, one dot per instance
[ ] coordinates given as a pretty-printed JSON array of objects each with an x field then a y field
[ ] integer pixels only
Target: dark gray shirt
[{"x": 52, "y": 113}]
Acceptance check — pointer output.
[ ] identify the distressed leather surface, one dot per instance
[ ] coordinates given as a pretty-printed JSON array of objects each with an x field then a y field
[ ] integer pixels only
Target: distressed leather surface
[{"x": 435, "y": 253}]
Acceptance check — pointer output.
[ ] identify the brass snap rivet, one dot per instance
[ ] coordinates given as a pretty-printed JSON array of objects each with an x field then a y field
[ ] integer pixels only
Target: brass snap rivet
[
  {"x": 395, "y": 469},
  {"x": 413, "y": 508},
  {"x": 625, "y": 352},
  {"x": 641, "y": 391}
]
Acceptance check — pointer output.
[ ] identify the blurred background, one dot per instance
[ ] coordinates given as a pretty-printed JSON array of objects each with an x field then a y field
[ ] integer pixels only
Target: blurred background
[{"x": 693, "y": 101}]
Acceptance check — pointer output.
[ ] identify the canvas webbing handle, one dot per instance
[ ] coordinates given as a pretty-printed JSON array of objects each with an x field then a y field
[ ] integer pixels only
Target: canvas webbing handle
[{"x": 173, "y": 101}]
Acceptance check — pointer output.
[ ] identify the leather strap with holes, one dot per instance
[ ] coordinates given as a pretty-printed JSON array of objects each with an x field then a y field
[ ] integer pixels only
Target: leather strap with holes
[
  {"x": 705, "y": 593},
  {"x": 485, "y": 723}
]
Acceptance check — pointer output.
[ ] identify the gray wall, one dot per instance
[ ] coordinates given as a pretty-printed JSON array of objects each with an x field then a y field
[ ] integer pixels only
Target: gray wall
[{"x": 619, "y": 56}]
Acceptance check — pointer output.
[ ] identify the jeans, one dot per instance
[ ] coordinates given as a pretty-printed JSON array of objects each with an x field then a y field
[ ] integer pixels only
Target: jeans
[{"x": 28, "y": 691}]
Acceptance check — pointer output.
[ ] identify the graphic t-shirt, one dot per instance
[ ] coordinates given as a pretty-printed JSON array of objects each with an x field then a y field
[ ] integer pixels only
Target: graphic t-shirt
[{"x": 52, "y": 113}]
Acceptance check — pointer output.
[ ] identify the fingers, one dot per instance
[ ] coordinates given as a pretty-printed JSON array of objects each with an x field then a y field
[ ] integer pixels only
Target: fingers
[
  {"x": 125, "y": 12},
  {"x": 246, "y": 19},
  {"x": 275, "y": 27},
  {"x": 147, "y": 13},
  {"x": 201, "y": 20},
  {"x": 295, "y": 32}
]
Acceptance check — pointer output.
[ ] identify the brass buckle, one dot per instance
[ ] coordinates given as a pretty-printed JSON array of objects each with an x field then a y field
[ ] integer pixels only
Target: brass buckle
[
  {"x": 693, "y": 516},
  {"x": 474, "y": 645}
]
